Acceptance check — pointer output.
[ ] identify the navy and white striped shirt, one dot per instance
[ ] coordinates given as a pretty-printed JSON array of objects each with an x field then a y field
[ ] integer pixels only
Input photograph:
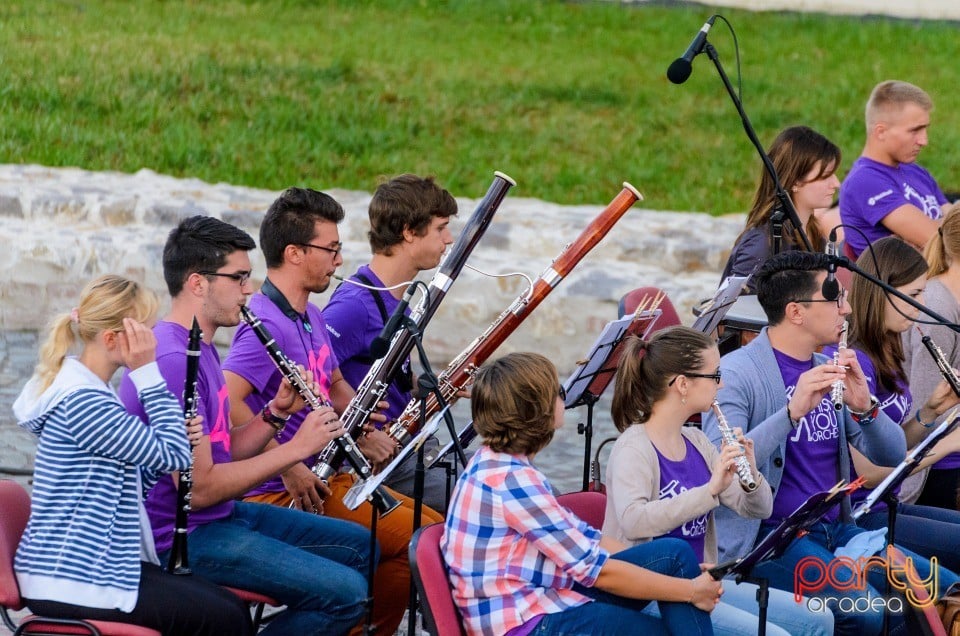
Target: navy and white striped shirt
[{"x": 88, "y": 531}]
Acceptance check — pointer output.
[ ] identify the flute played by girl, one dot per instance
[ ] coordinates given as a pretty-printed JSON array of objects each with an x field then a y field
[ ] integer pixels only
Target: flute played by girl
[
  {"x": 520, "y": 563},
  {"x": 665, "y": 479},
  {"x": 88, "y": 550}
]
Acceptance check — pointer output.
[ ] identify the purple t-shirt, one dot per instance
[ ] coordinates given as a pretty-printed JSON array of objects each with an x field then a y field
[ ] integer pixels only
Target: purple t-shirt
[
  {"x": 250, "y": 360},
  {"x": 810, "y": 461},
  {"x": 895, "y": 404},
  {"x": 873, "y": 190},
  {"x": 354, "y": 320},
  {"x": 213, "y": 405},
  {"x": 679, "y": 477}
]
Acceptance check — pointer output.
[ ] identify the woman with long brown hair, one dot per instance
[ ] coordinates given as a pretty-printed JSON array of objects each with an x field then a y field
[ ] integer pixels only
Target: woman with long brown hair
[{"x": 806, "y": 163}]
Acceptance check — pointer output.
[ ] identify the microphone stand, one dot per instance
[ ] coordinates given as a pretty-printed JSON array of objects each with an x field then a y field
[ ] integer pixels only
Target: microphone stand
[
  {"x": 890, "y": 497},
  {"x": 427, "y": 383},
  {"x": 784, "y": 202}
]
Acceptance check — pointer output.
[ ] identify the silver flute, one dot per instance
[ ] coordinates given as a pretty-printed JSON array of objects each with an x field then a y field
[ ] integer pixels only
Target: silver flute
[
  {"x": 744, "y": 473},
  {"x": 836, "y": 391}
]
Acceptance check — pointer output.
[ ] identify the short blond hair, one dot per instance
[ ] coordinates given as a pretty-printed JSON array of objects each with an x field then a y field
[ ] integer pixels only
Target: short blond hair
[
  {"x": 891, "y": 96},
  {"x": 513, "y": 401}
]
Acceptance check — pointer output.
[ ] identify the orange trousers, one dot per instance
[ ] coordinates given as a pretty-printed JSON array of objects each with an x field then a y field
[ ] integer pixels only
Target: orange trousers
[{"x": 391, "y": 583}]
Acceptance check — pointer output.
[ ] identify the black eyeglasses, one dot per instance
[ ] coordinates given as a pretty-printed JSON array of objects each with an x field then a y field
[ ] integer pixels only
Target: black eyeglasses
[
  {"x": 241, "y": 277},
  {"x": 713, "y": 376},
  {"x": 841, "y": 298},
  {"x": 333, "y": 250}
]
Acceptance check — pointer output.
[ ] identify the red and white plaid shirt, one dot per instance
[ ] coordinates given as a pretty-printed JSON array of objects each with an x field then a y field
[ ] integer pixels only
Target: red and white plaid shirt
[{"x": 513, "y": 552}]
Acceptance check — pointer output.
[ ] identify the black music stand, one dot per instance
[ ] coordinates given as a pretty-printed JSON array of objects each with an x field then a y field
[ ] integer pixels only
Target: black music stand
[
  {"x": 774, "y": 544},
  {"x": 711, "y": 313},
  {"x": 592, "y": 376}
]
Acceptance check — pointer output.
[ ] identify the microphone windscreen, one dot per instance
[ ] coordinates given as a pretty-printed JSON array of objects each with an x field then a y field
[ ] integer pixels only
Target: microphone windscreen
[{"x": 679, "y": 71}]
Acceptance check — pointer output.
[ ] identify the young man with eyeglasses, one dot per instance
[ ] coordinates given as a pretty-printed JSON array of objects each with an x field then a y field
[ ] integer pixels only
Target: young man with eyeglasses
[
  {"x": 300, "y": 240},
  {"x": 314, "y": 565},
  {"x": 777, "y": 389},
  {"x": 409, "y": 219}
]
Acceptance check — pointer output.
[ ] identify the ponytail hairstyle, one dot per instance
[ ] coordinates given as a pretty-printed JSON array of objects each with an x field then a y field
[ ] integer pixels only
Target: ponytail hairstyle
[
  {"x": 897, "y": 264},
  {"x": 646, "y": 367},
  {"x": 104, "y": 303},
  {"x": 513, "y": 401},
  {"x": 944, "y": 246}
]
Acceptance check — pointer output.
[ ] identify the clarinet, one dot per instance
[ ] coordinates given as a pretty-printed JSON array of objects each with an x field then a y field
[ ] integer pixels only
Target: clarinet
[
  {"x": 375, "y": 383},
  {"x": 945, "y": 369},
  {"x": 459, "y": 373},
  {"x": 383, "y": 500},
  {"x": 836, "y": 391},
  {"x": 747, "y": 482},
  {"x": 178, "y": 563}
]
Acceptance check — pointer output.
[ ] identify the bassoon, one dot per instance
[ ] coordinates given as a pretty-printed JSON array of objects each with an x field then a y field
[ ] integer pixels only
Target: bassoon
[
  {"x": 374, "y": 386},
  {"x": 179, "y": 564},
  {"x": 382, "y": 500},
  {"x": 460, "y": 372}
]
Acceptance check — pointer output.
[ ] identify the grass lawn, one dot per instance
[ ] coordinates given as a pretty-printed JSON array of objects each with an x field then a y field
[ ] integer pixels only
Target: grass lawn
[{"x": 569, "y": 98}]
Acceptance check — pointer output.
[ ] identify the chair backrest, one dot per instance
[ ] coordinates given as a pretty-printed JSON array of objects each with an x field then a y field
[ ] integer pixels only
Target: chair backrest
[
  {"x": 14, "y": 512},
  {"x": 628, "y": 305},
  {"x": 433, "y": 584},
  {"x": 590, "y": 506}
]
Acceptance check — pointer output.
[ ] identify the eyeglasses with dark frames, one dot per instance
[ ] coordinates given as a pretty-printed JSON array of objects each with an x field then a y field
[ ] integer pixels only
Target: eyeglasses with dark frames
[
  {"x": 333, "y": 250},
  {"x": 241, "y": 277},
  {"x": 841, "y": 298},
  {"x": 562, "y": 393},
  {"x": 713, "y": 376}
]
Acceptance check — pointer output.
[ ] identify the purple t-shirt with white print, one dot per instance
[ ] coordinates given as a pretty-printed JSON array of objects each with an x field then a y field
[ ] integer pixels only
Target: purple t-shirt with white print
[
  {"x": 305, "y": 342},
  {"x": 810, "y": 462},
  {"x": 895, "y": 404},
  {"x": 872, "y": 190},
  {"x": 213, "y": 405},
  {"x": 678, "y": 477}
]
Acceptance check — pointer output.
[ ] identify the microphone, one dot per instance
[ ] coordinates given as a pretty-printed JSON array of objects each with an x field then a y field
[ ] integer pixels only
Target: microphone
[
  {"x": 679, "y": 71},
  {"x": 831, "y": 288},
  {"x": 381, "y": 344}
]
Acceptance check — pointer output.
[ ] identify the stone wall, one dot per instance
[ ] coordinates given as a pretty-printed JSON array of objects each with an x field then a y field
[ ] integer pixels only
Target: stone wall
[{"x": 63, "y": 227}]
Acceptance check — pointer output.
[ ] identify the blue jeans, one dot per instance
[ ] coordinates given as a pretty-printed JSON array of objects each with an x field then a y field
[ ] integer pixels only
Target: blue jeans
[
  {"x": 738, "y": 613},
  {"x": 314, "y": 565},
  {"x": 820, "y": 543},
  {"x": 615, "y": 615},
  {"x": 926, "y": 530}
]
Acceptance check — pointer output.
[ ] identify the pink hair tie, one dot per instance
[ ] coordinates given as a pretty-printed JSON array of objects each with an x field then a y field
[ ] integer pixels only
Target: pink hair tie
[{"x": 75, "y": 316}]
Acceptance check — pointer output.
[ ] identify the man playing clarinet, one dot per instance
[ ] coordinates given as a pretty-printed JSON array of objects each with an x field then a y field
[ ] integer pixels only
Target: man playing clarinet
[{"x": 313, "y": 565}]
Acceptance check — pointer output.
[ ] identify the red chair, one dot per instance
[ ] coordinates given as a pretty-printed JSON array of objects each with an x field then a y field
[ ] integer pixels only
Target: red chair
[
  {"x": 433, "y": 585},
  {"x": 591, "y": 506},
  {"x": 628, "y": 305},
  {"x": 256, "y": 601},
  {"x": 14, "y": 512}
]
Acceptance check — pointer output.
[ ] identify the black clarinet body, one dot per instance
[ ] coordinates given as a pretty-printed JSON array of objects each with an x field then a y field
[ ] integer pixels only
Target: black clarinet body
[{"x": 179, "y": 563}]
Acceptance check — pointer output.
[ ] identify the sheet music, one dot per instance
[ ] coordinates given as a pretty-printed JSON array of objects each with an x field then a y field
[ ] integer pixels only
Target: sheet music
[
  {"x": 713, "y": 312},
  {"x": 595, "y": 366}
]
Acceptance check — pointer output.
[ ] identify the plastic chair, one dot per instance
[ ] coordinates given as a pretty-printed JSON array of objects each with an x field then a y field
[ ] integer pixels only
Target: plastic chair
[
  {"x": 14, "y": 512},
  {"x": 255, "y": 601},
  {"x": 591, "y": 506},
  {"x": 433, "y": 585},
  {"x": 628, "y": 305}
]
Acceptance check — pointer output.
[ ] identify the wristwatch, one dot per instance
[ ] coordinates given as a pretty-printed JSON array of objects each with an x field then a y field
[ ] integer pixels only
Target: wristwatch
[
  {"x": 870, "y": 413},
  {"x": 274, "y": 420}
]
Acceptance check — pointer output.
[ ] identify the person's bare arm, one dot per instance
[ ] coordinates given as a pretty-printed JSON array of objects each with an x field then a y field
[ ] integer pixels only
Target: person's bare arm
[{"x": 911, "y": 224}]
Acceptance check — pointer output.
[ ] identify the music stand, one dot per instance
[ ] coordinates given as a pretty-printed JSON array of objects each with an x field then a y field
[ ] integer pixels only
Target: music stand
[
  {"x": 465, "y": 435},
  {"x": 712, "y": 313},
  {"x": 362, "y": 489},
  {"x": 775, "y": 543},
  {"x": 592, "y": 376}
]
